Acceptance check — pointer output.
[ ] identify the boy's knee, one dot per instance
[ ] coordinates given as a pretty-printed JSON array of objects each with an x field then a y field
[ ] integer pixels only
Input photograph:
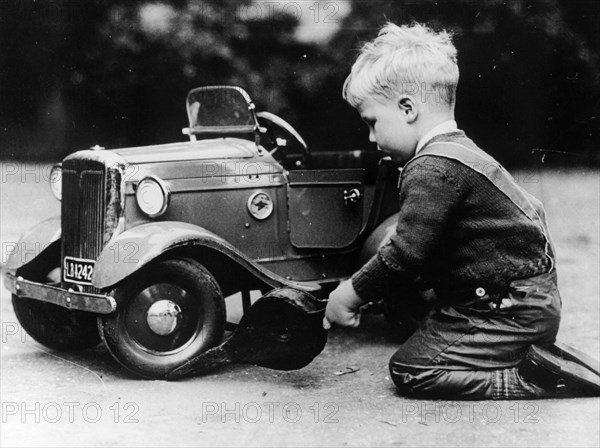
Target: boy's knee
[
  {"x": 432, "y": 383},
  {"x": 403, "y": 380},
  {"x": 411, "y": 382}
]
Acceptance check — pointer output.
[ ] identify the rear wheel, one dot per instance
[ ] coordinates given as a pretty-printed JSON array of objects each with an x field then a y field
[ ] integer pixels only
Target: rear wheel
[
  {"x": 406, "y": 310},
  {"x": 168, "y": 313},
  {"x": 51, "y": 325}
]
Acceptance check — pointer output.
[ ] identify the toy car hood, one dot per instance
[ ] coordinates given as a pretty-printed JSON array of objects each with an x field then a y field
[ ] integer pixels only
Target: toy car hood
[{"x": 213, "y": 149}]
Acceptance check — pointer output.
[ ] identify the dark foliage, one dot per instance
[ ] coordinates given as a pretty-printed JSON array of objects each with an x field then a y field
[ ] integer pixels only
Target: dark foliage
[{"x": 116, "y": 72}]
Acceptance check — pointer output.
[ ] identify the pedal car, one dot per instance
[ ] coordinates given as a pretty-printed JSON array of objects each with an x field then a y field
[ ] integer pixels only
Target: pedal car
[{"x": 152, "y": 239}]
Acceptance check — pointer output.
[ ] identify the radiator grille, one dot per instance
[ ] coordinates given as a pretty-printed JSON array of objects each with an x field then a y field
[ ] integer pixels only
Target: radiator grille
[{"x": 83, "y": 209}]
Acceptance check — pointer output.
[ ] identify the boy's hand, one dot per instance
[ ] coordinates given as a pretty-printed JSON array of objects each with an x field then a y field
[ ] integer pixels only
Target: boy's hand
[{"x": 343, "y": 307}]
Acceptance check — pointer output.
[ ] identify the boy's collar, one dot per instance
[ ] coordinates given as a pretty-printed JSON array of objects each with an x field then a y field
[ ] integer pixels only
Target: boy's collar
[{"x": 442, "y": 128}]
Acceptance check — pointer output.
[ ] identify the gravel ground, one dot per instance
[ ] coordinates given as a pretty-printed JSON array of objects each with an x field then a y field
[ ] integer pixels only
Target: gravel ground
[{"x": 85, "y": 399}]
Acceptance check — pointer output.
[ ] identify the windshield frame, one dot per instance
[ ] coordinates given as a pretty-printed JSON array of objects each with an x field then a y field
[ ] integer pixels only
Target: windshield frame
[{"x": 195, "y": 128}]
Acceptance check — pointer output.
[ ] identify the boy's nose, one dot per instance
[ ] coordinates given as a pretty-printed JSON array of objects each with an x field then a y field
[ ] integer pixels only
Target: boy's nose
[{"x": 372, "y": 137}]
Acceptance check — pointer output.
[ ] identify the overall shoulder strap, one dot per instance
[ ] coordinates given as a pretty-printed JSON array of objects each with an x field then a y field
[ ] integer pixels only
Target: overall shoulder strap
[{"x": 488, "y": 167}]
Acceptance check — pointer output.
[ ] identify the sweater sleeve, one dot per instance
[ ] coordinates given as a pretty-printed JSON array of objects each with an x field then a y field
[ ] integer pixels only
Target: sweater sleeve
[{"x": 429, "y": 194}]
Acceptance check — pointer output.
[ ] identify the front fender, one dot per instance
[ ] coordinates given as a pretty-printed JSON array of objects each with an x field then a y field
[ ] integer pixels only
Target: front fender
[
  {"x": 32, "y": 243},
  {"x": 135, "y": 248},
  {"x": 378, "y": 238}
]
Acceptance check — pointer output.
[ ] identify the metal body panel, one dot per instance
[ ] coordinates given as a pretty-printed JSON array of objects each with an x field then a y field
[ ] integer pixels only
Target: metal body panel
[
  {"x": 319, "y": 267},
  {"x": 33, "y": 242},
  {"x": 210, "y": 182},
  {"x": 208, "y": 175},
  {"x": 225, "y": 213},
  {"x": 153, "y": 239}
]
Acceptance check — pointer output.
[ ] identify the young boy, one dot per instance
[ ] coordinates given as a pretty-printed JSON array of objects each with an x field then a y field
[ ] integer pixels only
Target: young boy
[{"x": 464, "y": 227}]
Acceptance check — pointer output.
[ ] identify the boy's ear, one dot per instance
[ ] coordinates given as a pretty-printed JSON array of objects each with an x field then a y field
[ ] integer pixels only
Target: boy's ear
[{"x": 408, "y": 106}]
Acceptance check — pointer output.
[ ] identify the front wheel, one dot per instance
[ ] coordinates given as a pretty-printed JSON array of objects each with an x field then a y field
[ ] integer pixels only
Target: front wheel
[
  {"x": 56, "y": 327},
  {"x": 51, "y": 325},
  {"x": 168, "y": 313}
]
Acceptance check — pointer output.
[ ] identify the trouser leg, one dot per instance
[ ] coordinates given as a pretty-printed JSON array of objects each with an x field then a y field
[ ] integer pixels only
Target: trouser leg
[{"x": 434, "y": 383}]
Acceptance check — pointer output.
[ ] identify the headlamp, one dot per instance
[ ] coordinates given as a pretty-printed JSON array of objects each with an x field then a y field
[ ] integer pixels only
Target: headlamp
[
  {"x": 56, "y": 181},
  {"x": 152, "y": 196}
]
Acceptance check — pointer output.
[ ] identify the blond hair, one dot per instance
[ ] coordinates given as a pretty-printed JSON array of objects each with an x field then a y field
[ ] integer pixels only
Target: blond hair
[{"x": 405, "y": 60}]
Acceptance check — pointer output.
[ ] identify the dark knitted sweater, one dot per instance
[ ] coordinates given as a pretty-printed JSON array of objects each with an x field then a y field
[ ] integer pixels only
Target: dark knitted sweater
[{"x": 455, "y": 230}]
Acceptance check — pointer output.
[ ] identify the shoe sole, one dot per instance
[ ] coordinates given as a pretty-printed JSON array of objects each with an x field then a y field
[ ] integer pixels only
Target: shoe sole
[
  {"x": 567, "y": 364},
  {"x": 569, "y": 353}
]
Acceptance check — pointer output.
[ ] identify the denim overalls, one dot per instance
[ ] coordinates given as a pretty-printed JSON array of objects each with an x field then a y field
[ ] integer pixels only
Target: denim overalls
[{"x": 469, "y": 347}]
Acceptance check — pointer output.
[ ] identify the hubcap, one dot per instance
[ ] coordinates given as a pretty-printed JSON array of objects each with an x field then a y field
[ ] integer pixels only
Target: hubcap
[{"x": 163, "y": 317}]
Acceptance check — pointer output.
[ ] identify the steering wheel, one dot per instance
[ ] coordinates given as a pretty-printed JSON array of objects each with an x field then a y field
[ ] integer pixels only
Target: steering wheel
[{"x": 282, "y": 141}]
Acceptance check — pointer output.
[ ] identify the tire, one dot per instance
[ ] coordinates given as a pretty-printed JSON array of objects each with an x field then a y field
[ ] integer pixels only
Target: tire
[
  {"x": 56, "y": 327},
  {"x": 177, "y": 287},
  {"x": 51, "y": 325}
]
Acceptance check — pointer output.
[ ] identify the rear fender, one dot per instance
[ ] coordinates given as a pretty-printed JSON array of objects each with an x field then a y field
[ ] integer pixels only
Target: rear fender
[
  {"x": 32, "y": 243},
  {"x": 137, "y": 247},
  {"x": 381, "y": 235}
]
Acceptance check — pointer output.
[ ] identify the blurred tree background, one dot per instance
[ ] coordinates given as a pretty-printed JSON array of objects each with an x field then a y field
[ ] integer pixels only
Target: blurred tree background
[{"x": 115, "y": 72}]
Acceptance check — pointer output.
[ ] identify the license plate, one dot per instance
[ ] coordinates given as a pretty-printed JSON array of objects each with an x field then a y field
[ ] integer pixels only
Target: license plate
[{"x": 78, "y": 270}]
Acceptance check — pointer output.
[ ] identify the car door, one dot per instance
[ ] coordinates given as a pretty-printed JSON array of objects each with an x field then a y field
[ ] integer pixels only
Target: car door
[{"x": 325, "y": 207}]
